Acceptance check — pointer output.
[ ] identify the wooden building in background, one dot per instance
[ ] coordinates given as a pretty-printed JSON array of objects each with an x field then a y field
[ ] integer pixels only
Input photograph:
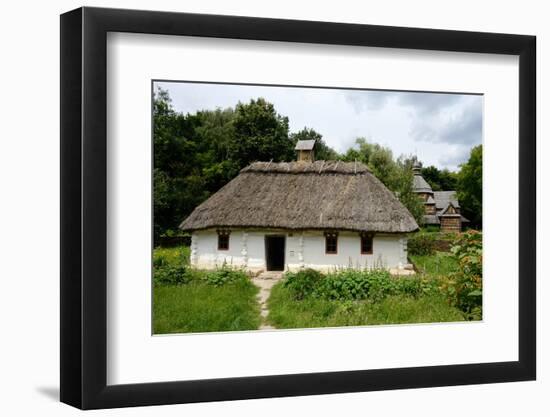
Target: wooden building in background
[{"x": 441, "y": 208}]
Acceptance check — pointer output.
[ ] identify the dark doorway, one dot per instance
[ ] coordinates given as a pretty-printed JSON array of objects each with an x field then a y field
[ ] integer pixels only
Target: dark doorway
[{"x": 275, "y": 253}]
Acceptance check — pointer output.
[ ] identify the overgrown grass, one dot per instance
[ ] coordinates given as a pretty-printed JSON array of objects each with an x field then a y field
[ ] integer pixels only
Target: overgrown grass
[
  {"x": 202, "y": 301},
  {"x": 285, "y": 312},
  {"x": 442, "y": 263},
  {"x": 177, "y": 255},
  {"x": 202, "y": 307}
]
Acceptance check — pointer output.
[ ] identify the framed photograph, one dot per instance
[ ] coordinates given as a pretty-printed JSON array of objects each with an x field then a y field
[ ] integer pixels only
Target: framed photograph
[{"x": 257, "y": 208}]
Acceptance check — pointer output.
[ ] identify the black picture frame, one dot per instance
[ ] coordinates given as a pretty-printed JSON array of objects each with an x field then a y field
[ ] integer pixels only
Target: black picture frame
[{"x": 84, "y": 207}]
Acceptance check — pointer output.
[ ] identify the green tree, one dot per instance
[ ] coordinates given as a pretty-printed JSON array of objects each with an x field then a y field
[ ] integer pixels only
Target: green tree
[
  {"x": 395, "y": 174},
  {"x": 439, "y": 180},
  {"x": 174, "y": 160},
  {"x": 470, "y": 186},
  {"x": 323, "y": 152},
  {"x": 378, "y": 158},
  {"x": 215, "y": 134},
  {"x": 261, "y": 134},
  {"x": 404, "y": 188}
]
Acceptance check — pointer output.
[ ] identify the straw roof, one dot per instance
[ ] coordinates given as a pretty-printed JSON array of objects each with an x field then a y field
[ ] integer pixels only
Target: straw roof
[{"x": 304, "y": 195}]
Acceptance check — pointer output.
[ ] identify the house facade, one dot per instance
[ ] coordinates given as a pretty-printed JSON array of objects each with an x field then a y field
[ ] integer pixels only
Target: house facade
[
  {"x": 282, "y": 249},
  {"x": 441, "y": 208},
  {"x": 304, "y": 214}
]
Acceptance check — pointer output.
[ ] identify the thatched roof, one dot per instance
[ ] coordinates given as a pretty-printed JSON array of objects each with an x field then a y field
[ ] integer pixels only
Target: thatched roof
[{"x": 304, "y": 195}]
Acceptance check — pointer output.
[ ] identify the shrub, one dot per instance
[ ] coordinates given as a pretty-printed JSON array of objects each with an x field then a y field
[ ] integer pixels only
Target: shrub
[
  {"x": 170, "y": 266},
  {"x": 464, "y": 288},
  {"x": 468, "y": 248},
  {"x": 302, "y": 283},
  {"x": 421, "y": 244},
  {"x": 352, "y": 284},
  {"x": 166, "y": 274},
  {"x": 224, "y": 275},
  {"x": 418, "y": 286}
]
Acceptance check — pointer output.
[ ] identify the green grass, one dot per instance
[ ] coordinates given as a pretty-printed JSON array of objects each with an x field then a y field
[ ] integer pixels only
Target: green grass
[
  {"x": 442, "y": 263},
  {"x": 287, "y": 313},
  {"x": 200, "y": 307}
]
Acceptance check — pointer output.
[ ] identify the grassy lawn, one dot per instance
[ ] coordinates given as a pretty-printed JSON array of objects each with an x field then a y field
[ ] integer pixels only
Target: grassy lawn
[
  {"x": 200, "y": 307},
  {"x": 287, "y": 313},
  {"x": 442, "y": 263}
]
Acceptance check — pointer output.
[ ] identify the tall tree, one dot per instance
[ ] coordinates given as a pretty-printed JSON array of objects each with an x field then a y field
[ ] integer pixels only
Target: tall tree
[
  {"x": 261, "y": 134},
  {"x": 470, "y": 186},
  {"x": 177, "y": 184},
  {"x": 439, "y": 180},
  {"x": 404, "y": 188},
  {"x": 378, "y": 158}
]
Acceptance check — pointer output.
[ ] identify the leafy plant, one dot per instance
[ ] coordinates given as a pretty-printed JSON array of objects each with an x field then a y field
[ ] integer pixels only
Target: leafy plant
[
  {"x": 170, "y": 275},
  {"x": 464, "y": 288},
  {"x": 224, "y": 275},
  {"x": 353, "y": 284},
  {"x": 302, "y": 283},
  {"x": 421, "y": 244}
]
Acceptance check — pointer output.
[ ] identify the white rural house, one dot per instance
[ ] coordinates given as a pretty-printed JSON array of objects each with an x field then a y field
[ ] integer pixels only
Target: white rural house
[{"x": 305, "y": 214}]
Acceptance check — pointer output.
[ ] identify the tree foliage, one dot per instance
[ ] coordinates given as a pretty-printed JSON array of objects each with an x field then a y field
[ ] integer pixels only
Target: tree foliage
[
  {"x": 470, "y": 186},
  {"x": 260, "y": 134},
  {"x": 439, "y": 180}
]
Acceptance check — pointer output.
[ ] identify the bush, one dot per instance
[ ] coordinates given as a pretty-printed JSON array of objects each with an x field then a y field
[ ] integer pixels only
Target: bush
[
  {"x": 180, "y": 275},
  {"x": 417, "y": 287},
  {"x": 302, "y": 283},
  {"x": 421, "y": 244},
  {"x": 351, "y": 284},
  {"x": 170, "y": 266},
  {"x": 464, "y": 288},
  {"x": 356, "y": 285},
  {"x": 170, "y": 275},
  {"x": 224, "y": 276}
]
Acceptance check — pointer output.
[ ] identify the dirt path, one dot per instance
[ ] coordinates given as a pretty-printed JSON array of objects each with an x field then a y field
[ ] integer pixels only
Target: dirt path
[{"x": 265, "y": 281}]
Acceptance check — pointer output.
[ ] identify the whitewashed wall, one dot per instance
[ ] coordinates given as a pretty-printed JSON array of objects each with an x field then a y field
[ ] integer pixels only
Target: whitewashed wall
[{"x": 302, "y": 249}]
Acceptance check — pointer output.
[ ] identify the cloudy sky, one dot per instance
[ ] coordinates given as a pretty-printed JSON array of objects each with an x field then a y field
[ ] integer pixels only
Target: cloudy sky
[{"x": 439, "y": 128}]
